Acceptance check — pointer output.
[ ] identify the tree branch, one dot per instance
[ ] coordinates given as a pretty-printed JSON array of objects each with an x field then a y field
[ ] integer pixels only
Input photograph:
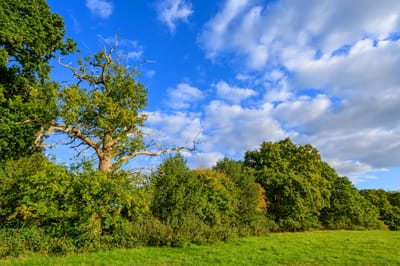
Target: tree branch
[
  {"x": 155, "y": 153},
  {"x": 73, "y": 132}
]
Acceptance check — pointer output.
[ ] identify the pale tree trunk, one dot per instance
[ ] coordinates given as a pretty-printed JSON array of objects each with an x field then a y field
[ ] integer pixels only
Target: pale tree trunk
[
  {"x": 105, "y": 157},
  {"x": 105, "y": 163}
]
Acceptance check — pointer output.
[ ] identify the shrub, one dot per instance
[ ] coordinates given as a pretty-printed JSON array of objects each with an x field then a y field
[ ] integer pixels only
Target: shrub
[
  {"x": 196, "y": 204},
  {"x": 74, "y": 208},
  {"x": 251, "y": 199}
]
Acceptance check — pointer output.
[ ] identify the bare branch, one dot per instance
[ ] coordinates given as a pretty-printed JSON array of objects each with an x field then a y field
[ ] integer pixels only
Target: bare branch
[
  {"x": 73, "y": 132},
  {"x": 82, "y": 150},
  {"x": 156, "y": 153},
  {"x": 101, "y": 79}
]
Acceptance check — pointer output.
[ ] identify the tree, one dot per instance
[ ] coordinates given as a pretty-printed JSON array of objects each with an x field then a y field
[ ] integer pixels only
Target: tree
[
  {"x": 30, "y": 35},
  {"x": 103, "y": 111},
  {"x": 199, "y": 205},
  {"x": 297, "y": 182},
  {"x": 348, "y": 208},
  {"x": 389, "y": 211},
  {"x": 252, "y": 205}
]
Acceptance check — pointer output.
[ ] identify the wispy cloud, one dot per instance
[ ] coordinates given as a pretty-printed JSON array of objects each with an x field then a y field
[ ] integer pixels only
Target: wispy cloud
[
  {"x": 171, "y": 12},
  {"x": 128, "y": 49},
  {"x": 100, "y": 8}
]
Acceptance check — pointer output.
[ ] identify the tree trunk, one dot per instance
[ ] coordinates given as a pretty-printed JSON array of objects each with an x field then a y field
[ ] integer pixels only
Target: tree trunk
[
  {"x": 105, "y": 163},
  {"x": 105, "y": 157}
]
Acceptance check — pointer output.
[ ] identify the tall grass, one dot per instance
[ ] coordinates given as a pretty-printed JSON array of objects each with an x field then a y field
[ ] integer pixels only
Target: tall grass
[{"x": 308, "y": 248}]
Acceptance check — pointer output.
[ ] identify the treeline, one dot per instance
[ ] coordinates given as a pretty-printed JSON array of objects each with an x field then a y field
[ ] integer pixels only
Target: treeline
[{"x": 49, "y": 208}]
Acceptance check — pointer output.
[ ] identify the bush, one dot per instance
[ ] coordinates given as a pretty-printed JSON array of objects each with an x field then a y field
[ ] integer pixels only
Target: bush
[
  {"x": 22, "y": 241},
  {"x": 79, "y": 208},
  {"x": 34, "y": 192},
  {"x": 146, "y": 231},
  {"x": 251, "y": 199},
  {"x": 199, "y": 205}
]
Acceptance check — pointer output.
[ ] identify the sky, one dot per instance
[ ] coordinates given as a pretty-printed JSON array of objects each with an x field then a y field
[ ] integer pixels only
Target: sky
[{"x": 232, "y": 74}]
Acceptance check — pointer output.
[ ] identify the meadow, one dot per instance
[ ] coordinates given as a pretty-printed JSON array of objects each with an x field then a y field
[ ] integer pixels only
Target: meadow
[{"x": 305, "y": 248}]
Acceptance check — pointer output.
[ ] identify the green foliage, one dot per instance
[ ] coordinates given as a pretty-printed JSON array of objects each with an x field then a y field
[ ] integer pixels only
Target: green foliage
[
  {"x": 30, "y": 35},
  {"x": 86, "y": 207},
  {"x": 387, "y": 204},
  {"x": 146, "y": 231},
  {"x": 394, "y": 198},
  {"x": 24, "y": 241},
  {"x": 251, "y": 199},
  {"x": 111, "y": 102},
  {"x": 33, "y": 192},
  {"x": 199, "y": 205},
  {"x": 297, "y": 183},
  {"x": 102, "y": 109},
  {"x": 349, "y": 209}
]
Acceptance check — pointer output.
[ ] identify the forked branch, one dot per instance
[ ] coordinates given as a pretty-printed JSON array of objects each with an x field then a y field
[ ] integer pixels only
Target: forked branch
[{"x": 73, "y": 132}]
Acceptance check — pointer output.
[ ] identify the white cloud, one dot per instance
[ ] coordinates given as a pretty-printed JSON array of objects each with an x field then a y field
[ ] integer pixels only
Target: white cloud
[
  {"x": 204, "y": 159},
  {"x": 350, "y": 168},
  {"x": 132, "y": 49},
  {"x": 183, "y": 96},
  {"x": 100, "y": 8},
  {"x": 302, "y": 110},
  {"x": 235, "y": 129},
  {"x": 135, "y": 54},
  {"x": 214, "y": 38},
  {"x": 262, "y": 34},
  {"x": 344, "y": 104},
  {"x": 178, "y": 128},
  {"x": 232, "y": 93},
  {"x": 172, "y": 11}
]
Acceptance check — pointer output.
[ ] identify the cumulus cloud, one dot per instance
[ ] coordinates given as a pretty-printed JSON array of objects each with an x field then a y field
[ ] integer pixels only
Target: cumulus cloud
[
  {"x": 291, "y": 28},
  {"x": 232, "y": 93},
  {"x": 204, "y": 159},
  {"x": 183, "y": 96},
  {"x": 329, "y": 70},
  {"x": 178, "y": 128},
  {"x": 236, "y": 129},
  {"x": 100, "y": 8},
  {"x": 171, "y": 12},
  {"x": 302, "y": 109}
]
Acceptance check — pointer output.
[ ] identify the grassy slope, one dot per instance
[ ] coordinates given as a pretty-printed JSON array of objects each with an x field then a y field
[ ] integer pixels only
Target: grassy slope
[{"x": 310, "y": 248}]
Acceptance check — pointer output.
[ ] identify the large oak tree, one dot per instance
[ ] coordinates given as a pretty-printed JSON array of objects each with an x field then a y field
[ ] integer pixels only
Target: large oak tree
[{"x": 103, "y": 110}]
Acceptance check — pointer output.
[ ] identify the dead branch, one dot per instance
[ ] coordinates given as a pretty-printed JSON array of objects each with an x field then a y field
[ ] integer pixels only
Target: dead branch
[
  {"x": 156, "y": 153},
  {"x": 73, "y": 132}
]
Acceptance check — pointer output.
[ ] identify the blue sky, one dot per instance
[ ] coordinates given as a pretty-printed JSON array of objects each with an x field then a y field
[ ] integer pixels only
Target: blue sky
[{"x": 232, "y": 74}]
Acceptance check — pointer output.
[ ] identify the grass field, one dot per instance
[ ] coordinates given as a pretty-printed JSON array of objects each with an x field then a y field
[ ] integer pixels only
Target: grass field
[{"x": 309, "y": 248}]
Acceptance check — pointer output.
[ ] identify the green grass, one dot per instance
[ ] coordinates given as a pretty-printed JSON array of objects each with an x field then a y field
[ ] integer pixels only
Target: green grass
[{"x": 309, "y": 248}]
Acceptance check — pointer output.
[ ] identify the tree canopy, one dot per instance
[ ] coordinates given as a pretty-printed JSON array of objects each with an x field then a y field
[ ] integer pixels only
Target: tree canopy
[
  {"x": 30, "y": 35},
  {"x": 296, "y": 182},
  {"x": 103, "y": 110}
]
